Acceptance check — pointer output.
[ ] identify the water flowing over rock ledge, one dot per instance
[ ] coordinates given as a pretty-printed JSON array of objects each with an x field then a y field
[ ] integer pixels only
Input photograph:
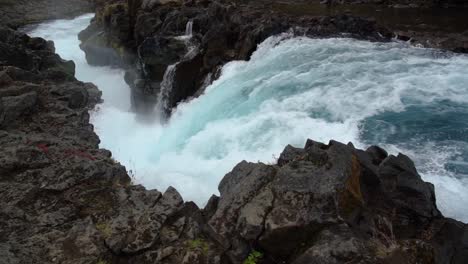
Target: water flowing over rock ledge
[
  {"x": 151, "y": 37},
  {"x": 145, "y": 37},
  {"x": 66, "y": 201}
]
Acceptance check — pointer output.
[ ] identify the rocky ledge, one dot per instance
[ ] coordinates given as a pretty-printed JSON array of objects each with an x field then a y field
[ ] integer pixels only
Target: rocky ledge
[{"x": 64, "y": 200}]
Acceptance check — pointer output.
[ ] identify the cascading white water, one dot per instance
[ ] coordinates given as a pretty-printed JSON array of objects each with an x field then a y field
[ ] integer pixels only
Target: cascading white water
[
  {"x": 166, "y": 87},
  {"x": 168, "y": 78},
  {"x": 188, "y": 28},
  {"x": 116, "y": 93},
  {"x": 404, "y": 98}
]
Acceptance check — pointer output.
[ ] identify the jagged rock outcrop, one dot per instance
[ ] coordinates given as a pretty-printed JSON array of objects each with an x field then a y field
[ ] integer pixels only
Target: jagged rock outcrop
[
  {"x": 333, "y": 204},
  {"x": 404, "y": 3}
]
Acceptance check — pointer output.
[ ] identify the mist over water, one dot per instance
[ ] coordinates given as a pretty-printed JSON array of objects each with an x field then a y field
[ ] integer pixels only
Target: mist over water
[{"x": 403, "y": 98}]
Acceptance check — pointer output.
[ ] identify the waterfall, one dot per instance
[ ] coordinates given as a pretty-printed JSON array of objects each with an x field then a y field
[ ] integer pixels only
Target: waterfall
[
  {"x": 188, "y": 28},
  {"x": 166, "y": 87},
  {"x": 168, "y": 79}
]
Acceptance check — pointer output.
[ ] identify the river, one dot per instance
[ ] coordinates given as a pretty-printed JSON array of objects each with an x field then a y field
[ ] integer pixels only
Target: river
[{"x": 403, "y": 98}]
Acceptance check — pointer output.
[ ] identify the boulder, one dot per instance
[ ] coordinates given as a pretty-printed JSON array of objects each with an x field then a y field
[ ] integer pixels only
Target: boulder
[{"x": 329, "y": 204}]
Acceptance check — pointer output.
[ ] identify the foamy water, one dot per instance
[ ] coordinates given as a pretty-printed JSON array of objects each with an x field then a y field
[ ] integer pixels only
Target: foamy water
[{"x": 403, "y": 98}]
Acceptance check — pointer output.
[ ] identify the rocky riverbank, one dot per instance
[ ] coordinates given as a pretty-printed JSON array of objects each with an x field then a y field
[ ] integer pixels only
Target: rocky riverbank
[{"x": 64, "y": 200}]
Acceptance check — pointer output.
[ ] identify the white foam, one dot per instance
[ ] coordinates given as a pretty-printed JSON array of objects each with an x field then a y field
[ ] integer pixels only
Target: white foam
[{"x": 64, "y": 33}]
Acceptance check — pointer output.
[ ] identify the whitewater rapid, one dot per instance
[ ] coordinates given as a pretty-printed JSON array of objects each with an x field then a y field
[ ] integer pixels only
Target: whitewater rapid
[{"x": 403, "y": 98}]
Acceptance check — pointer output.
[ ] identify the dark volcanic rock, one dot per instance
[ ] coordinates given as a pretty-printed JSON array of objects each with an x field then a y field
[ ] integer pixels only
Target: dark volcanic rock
[
  {"x": 13, "y": 107},
  {"x": 144, "y": 33},
  {"x": 64, "y": 200},
  {"x": 333, "y": 204}
]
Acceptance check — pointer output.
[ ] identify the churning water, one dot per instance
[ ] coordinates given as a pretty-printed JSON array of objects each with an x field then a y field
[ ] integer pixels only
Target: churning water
[{"x": 403, "y": 98}]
